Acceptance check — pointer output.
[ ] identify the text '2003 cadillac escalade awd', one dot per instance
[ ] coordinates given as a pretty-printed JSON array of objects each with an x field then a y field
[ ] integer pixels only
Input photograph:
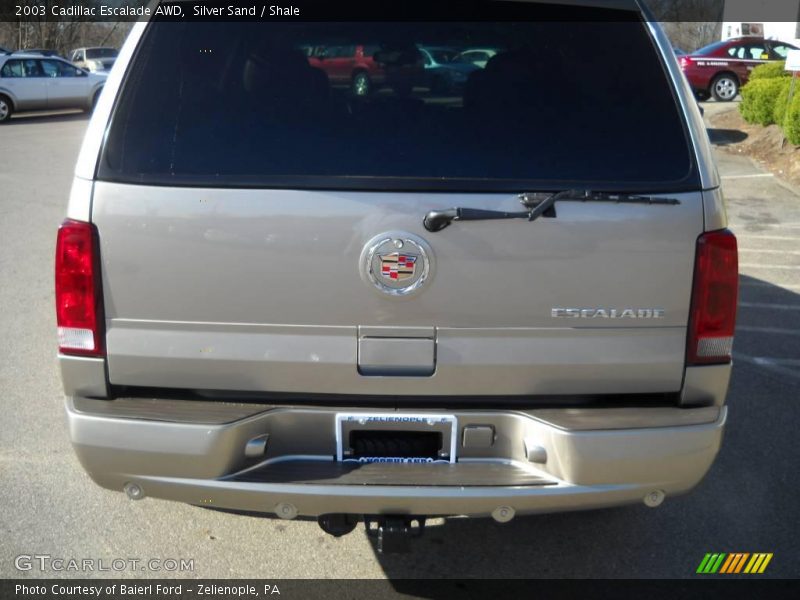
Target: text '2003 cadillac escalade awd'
[{"x": 275, "y": 294}]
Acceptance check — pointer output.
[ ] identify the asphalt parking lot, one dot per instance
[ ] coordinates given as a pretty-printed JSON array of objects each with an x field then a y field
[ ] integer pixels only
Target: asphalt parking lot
[{"x": 49, "y": 506}]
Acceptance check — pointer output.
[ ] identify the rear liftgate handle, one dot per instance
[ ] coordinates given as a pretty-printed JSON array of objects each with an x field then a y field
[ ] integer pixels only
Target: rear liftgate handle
[{"x": 396, "y": 351}]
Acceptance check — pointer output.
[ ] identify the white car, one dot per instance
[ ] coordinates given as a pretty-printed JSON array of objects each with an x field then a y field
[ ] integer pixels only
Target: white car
[
  {"x": 34, "y": 82},
  {"x": 94, "y": 59},
  {"x": 477, "y": 56}
]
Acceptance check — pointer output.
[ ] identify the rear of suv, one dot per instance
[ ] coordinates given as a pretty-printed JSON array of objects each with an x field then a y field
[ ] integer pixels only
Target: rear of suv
[{"x": 512, "y": 300}]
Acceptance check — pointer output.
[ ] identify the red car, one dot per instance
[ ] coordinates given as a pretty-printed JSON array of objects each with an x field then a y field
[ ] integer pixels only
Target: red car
[
  {"x": 354, "y": 66},
  {"x": 348, "y": 65},
  {"x": 720, "y": 69}
]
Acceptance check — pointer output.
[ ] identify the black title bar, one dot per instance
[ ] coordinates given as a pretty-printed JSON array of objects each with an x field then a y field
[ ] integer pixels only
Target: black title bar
[
  {"x": 332, "y": 589},
  {"x": 374, "y": 10}
]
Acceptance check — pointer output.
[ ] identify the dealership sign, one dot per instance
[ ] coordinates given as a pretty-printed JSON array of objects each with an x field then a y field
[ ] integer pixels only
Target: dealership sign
[{"x": 793, "y": 60}]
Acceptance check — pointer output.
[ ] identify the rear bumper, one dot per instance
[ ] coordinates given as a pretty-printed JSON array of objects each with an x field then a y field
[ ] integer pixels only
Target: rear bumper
[{"x": 194, "y": 452}]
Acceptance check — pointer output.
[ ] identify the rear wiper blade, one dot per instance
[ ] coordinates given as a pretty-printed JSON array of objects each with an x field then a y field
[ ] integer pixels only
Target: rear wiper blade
[{"x": 537, "y": 204}]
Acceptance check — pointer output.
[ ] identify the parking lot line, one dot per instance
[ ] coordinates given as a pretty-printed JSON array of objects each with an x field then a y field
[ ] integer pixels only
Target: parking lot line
[
  {"x": 769, "y": 306},
  {"x": 767, "y": 266},
  {"x": 786, "y": 362},
  {"x": 776, "y": 365},
  {"x": 789, "y": 225},
  {"x": 773, "y": 330},
  {"x": 759, "y": 251},
  {"x": 748, "y": 236},
  {"x": 747, "y": 176},
  {"x": 765, "y": 284}
]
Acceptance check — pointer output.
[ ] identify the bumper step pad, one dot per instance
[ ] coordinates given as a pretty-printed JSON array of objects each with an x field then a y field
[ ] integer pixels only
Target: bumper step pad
[{"x": 467, "y": 474}]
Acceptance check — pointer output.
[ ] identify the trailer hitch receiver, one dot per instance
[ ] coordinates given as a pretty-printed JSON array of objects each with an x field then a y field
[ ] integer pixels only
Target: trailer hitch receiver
[{"x": 392, "y": 532}]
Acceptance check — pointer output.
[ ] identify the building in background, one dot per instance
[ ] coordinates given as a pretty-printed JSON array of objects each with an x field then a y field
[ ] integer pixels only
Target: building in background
[{"x": 773, "y": 19}]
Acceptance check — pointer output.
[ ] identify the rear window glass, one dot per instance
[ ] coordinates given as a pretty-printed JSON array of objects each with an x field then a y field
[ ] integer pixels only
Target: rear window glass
[
  {"x": 273, "y": 105},
  {"x": 101, "y": 53}
]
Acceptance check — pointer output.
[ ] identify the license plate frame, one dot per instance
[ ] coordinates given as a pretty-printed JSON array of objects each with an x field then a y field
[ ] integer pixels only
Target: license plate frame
[{"x": 447, "y": 424}]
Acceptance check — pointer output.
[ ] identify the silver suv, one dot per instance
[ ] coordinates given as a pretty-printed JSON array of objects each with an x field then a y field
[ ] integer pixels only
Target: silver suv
[
  {"x": 274, "y": 295},
  {"x": 34, "y": 82}
]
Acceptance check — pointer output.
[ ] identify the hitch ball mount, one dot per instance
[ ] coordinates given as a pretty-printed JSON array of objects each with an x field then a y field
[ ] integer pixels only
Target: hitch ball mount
[{"x": 391, "y": 532}]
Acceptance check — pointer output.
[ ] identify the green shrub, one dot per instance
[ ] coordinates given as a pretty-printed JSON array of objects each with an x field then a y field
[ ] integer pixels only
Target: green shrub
[
  {"x": 781, "y": 101},
  {"x": 759, "y": 99},
  {"x": 791, "y": 126},
  {"x": 769, "y": 71},
  {"x": 765, "y": 100}
]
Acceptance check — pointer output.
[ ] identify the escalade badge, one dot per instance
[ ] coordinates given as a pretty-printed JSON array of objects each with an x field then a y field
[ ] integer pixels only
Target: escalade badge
[{"x": 396, "y": 263}]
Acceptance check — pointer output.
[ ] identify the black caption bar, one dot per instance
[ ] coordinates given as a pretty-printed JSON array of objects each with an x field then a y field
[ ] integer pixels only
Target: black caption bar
[
  {"x": 405, "y": 10},
  {"x": 332, "y": 589},
  {"x": 358, "y": 10},
  {"x": 304, "y": 10}
]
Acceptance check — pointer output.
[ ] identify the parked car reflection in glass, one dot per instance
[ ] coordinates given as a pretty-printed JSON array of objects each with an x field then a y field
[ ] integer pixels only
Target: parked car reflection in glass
[{"x": 446, "y": 73}]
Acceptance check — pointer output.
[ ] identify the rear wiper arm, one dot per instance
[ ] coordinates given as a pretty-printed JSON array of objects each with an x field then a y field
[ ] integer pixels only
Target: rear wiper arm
[{"x": 537, "y": 204}]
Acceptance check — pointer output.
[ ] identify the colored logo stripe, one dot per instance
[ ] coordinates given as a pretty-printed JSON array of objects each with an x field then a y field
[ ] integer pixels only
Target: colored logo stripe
[
  {"x": 758, "y": 563},
  {"x": 734, "y": 562},
  {"x": 710, "y": 563}
]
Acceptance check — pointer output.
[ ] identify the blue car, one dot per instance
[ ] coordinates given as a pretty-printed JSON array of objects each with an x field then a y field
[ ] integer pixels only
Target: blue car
[{"x": 445, "y": 73}]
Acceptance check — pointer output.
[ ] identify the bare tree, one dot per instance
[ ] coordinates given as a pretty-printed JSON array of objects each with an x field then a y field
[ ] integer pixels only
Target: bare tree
[
  {"x": 689, "y": 24},
  {"x": 61, "y": 35}
]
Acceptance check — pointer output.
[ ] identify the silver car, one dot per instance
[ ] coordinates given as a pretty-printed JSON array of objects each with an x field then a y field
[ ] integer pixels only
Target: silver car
[
  {"x": 275, "y": 296},
  {"x": 33, "y": 82}
]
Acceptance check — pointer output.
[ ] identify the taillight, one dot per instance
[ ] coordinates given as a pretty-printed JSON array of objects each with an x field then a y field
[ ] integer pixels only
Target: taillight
[
  {"x": 79, "y": 310},
  {"x": 716, "y": 285}
]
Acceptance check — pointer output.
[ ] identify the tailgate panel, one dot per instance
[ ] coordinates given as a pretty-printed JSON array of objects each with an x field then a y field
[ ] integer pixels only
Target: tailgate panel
[
  {"x": 468, "y": 361},
  {"x": 261, "y": 290}
]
